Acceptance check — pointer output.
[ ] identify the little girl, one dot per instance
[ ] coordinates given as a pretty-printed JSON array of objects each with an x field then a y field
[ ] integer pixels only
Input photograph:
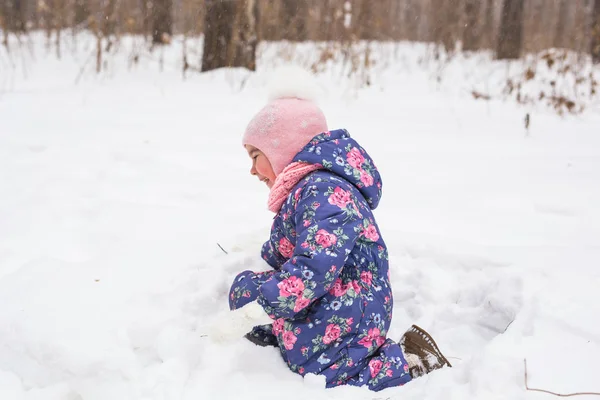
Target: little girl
[{"x": 327, "y": 304}]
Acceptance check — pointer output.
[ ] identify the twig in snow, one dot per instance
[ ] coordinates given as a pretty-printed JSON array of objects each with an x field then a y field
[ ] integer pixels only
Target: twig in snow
[
  {"x": 82, "y": 69},
  {"x": 222, "y": 248},
  {"x": 552, "y": 393},
  {"x": 508, "y": 326}
]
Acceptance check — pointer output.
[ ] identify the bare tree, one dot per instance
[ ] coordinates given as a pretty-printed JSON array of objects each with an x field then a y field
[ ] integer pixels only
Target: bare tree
[
  {"x": 595, "y": 40},
  {"x": 471, "y": 33},
  {"x": 332, "y": 21},
  {"x": 510, "y": 40},
  {"x": 13, "y": 14},
  {"x": 363, "y": 20},
  {"x": 446, "y": 23},
  {"x": 162, "y": 21},
  {"x": 82, "y": 11},
  {"x": 561, "y": 24},
  {"x": 412, "y": 15},
  {"x": 294, "y": 15},
  {"x": 489, "y": 24},
  {"x": 109, "y": 22},
  {"x": 230, "y": 34}
]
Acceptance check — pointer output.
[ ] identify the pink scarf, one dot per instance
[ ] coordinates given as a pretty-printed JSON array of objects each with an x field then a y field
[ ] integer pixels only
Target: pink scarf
[{"x": 285, "y": 182}]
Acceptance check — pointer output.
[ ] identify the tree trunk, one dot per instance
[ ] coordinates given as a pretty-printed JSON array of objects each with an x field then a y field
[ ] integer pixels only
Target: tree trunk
[
  {"x": 293, "y": 18},
  {"x": 595, "y": 42},
  {"x": 109, "y": 24},
  {"x": 14, "y": 14},
  {"x": 82, "y": 12},
  {"x": 230, "y": 34},
  {"x": 334, "y": 18},
  {"x": 413, "y": 14},
  {"x": 363, "y": 20},
  {"x": 510, "y": 38},
  {"x": 162, "y": 21},
  {"x": 560, "y": 33},
  {"x": 490, "y": 26},
  {"x": 445, "y": 24},
  {"x": 472, "y": 31}
]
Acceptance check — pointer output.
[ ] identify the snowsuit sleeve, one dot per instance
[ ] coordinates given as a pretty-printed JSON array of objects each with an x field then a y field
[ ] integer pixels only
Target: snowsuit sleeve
[
  {"x": 244, "y": 288},
  {"x": 326, "y": 231},
  {"x": 271, "y": 256}
]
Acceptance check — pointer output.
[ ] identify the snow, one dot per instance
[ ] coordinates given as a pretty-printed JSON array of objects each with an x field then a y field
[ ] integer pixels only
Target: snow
[{"x": 116, "y": 192}]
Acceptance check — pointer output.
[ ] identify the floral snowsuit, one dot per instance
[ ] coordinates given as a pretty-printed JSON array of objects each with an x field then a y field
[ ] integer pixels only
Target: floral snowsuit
[{"x": 329, "y": 293}]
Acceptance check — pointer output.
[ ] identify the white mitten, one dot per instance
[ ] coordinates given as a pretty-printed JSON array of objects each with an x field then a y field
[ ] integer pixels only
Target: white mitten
[{"x": 232, "y": 325}]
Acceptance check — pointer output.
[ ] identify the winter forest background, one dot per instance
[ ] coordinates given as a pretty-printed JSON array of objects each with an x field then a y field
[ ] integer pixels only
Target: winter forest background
[
  {"x": 562, "y": 33},
  {"x": 508, "y": 27}
]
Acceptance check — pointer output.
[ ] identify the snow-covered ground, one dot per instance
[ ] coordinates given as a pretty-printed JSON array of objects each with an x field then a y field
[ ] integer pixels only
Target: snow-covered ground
[{"x": 116, "y": 192}]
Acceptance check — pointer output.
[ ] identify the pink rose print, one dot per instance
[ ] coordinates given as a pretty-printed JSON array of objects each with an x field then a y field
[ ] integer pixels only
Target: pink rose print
[
  {"x": 374, "y": 335},
  {"x": 375, "y": 367},
  {"x": 289, "y": 339},
  {"x": 389, "y": 373},
  {"x": 405, "y": 367},
  {"x": 355, "y": 286},
  {"x": 292, "y": 286},
  {"x": 297, "y": 194},
  {"x": 332, "y": 333},
  {"x": 338, "y": 289},
  {"x": 278, "y": 326},
  {"x": 339, "y": 197},
  {"x": 325, "y": 238},
  {"x": 355, "y": 159},
  {"x": 286, "y": 248},
  {"x": 301, "y": 304},
  {"x": 366, "y": 178},
  {"x": 371, "y": 233},
  {"x": 366, "y": 277},
  {"x": 301, "y": 370}
]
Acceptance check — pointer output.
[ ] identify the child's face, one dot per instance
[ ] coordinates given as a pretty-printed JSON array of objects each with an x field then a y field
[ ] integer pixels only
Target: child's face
[{"x": 261, "y": 166}]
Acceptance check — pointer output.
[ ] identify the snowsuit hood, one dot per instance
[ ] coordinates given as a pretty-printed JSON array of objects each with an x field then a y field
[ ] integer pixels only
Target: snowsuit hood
[{"x": 338, "y": 153}]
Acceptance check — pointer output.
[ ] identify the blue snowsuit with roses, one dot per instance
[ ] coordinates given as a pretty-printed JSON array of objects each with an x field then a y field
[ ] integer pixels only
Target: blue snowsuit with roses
[{"x": 329, "y": 291}]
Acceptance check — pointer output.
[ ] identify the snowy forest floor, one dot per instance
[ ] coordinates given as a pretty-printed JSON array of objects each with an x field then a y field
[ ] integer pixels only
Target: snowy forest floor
[{"x": 117, "y": 189}]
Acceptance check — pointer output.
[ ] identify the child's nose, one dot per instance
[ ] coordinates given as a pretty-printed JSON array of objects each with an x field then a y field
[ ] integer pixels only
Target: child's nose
[{"x": 253, "y": 170}]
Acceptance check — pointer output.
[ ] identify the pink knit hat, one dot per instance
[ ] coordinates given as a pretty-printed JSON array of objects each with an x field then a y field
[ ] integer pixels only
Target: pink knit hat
[{"x": 288, "y": 122}]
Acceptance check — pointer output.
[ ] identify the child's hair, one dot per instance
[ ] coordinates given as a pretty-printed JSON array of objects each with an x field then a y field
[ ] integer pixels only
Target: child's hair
[{"x": 290, "y": 119}]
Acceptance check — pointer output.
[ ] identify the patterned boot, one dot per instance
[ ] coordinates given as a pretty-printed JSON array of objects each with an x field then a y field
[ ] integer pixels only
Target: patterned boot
[{"x": 421, "y": 352}]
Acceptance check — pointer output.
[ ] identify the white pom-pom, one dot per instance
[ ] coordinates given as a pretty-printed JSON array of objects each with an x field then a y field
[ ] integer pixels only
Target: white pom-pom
[{"x": 293, "y": 81}]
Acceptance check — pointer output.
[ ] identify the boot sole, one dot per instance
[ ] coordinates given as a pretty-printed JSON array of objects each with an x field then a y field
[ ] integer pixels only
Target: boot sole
[{"x": 429, "y": 340}]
